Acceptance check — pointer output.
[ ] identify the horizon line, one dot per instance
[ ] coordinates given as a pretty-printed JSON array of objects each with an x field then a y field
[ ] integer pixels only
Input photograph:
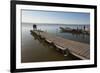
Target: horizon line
[{"x": 54, "y": 23}]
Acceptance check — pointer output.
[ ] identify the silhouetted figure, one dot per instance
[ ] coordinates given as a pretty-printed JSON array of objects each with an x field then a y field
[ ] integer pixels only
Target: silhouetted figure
[
  {"x": 84, "y": 28},
  {"x": 34, "y": 26}
]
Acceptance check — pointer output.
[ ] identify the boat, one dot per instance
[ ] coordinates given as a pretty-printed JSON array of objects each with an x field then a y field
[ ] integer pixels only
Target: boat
[{"x": 74, "y": 31}]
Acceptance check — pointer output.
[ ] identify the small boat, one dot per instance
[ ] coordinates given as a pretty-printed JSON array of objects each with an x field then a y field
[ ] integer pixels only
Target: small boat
[
  {"x": 76, "y": 31},
  {"x": 70, "y": 30}
]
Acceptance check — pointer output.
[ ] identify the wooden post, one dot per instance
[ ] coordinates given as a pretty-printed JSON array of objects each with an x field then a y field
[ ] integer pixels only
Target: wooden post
[{"x": 66, "y": 52}]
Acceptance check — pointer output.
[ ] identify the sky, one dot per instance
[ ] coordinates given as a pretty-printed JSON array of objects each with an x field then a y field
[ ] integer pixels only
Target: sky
[{"x": 53, "y": 17}]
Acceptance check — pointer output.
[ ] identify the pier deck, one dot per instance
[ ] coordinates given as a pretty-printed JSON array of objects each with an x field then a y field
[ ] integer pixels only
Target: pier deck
[{"x": 81, "y": 50}]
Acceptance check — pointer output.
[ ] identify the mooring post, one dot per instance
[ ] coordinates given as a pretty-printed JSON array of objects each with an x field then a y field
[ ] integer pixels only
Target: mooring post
[
  {"x": 66, "y": 52},
  {"x": 34, "y": 27}
]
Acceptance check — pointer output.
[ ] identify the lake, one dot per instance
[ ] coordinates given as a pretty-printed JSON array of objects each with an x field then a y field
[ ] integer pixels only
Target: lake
[{"x": 35, "y": 50}]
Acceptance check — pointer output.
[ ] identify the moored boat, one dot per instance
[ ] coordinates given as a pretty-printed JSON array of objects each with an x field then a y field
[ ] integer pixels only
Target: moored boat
[{"x": 76, "y": 31}]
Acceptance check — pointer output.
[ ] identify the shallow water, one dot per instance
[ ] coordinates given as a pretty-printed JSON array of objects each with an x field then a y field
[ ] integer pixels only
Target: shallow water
[{"x": 35, "y": 50}]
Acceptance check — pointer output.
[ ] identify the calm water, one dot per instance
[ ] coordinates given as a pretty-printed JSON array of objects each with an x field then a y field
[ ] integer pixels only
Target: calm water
[{"x": 35, "y": 50}]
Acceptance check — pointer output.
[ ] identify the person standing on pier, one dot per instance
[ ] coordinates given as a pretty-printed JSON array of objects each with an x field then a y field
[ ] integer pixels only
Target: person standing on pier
[{"x": 84, "y": 27}]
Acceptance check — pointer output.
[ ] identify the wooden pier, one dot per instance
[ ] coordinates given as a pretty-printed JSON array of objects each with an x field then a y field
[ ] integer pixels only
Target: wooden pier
[{"x": 81, "y": 50}]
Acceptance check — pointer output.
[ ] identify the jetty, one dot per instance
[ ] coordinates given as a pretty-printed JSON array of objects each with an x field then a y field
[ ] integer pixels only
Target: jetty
[{"x": 78, "y": 49}]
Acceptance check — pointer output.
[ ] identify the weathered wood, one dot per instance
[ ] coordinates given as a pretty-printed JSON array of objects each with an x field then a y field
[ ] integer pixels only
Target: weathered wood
[{"x": 78, "y": 49}]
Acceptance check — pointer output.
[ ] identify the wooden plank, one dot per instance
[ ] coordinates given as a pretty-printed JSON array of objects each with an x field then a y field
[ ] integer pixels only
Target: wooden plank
[{"x": 80, "y": 50}]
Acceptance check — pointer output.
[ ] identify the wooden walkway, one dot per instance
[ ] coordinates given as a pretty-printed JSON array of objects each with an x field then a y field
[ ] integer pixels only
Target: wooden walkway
[{"x": 81, "y": 50}]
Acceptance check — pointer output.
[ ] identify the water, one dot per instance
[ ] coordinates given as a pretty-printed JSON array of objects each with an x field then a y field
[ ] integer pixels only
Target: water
[
  {"x": 55, "y": 29},
  {"x": 35, "y": 50}
]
